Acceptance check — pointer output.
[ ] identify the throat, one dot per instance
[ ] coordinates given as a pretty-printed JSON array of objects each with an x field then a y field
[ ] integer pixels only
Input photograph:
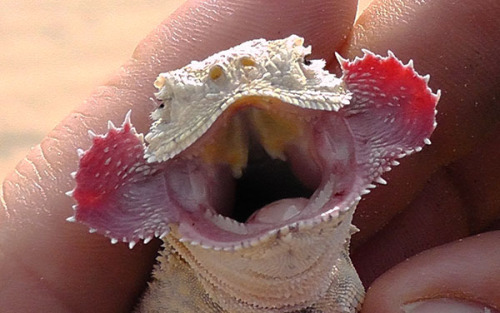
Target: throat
[{"x": 264, "y": 181}]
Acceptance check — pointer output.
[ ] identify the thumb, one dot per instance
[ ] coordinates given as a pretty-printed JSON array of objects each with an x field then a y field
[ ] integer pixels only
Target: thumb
[{"x": 462, "y": 276}]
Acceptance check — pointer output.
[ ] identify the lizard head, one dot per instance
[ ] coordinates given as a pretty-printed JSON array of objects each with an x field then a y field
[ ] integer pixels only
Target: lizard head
[{"x": 251, "y": 142}]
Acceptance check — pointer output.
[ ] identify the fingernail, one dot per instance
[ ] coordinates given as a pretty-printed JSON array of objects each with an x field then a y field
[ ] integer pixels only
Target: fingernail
[{"x": 446, "y": 305}]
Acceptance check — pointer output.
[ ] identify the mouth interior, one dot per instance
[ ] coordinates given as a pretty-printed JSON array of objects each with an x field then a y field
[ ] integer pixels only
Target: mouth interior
[{"x": 264, "y": 181}]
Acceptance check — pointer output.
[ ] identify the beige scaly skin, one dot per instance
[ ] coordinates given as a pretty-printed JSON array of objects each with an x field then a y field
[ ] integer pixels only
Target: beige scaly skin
[
  {"x": 239, "y": 113},
  {"x": 304, "y": 270}
]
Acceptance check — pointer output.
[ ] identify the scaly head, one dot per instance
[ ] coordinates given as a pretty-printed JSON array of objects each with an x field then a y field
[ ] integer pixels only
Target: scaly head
[
  {"x": 251, "y": 74},
  {"x": 252, "y": 142}
]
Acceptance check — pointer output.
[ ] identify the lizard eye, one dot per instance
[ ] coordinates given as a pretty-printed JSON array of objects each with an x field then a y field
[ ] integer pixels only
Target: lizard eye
[
  {"x": 306, "y": 59},
  {"x": 216, "y": 72}
]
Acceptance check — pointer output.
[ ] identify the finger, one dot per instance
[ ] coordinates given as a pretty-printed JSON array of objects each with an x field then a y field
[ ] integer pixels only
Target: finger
[
  {"x": 462, "y": 198},
  {"x": 455, "y": 44},
  {"x": 446, "y": 279},
  {"x": 57, "y": 264}
]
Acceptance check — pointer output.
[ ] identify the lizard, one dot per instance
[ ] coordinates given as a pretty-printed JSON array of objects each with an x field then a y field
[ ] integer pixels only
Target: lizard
[{"x": 250, "y": 174}]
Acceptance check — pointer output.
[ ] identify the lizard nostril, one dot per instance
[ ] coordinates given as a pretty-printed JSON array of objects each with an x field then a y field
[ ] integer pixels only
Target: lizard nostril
[
  {"x": 247, "y": 61},
  {"x": 216, "y": 72}
]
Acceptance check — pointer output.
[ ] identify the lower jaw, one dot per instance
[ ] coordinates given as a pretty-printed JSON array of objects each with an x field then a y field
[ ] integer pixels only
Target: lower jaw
[{"x": 290, "y": 261}]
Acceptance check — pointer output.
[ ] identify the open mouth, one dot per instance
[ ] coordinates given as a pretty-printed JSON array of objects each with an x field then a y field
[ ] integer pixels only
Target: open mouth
[{"x": 257, "y": 171}]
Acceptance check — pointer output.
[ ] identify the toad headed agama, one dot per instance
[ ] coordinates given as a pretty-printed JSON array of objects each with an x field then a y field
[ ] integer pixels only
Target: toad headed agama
[{"x": 250, "y": 174}]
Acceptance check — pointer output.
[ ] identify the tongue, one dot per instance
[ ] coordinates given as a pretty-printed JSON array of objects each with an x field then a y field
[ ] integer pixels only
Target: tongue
[{"x": 279, "y": 211}]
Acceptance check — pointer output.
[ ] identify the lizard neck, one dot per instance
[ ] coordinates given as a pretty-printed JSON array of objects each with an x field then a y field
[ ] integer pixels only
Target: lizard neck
[{"x": 298, "y": 265}]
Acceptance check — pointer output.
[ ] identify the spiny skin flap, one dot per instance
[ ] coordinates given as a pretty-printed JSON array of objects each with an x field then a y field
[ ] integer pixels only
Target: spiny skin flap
[
  {"x": 392, "y": 111},
  {"x": 117, "y": 192},
  {"x": 122, "y": 195}
]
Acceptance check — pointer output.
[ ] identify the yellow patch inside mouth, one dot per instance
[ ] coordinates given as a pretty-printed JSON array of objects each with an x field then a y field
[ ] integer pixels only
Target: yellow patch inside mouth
[
  {"x": 229, "y": 146},
  {"x": 276, "y": 131},
  {"x": 264, "y": 118}
]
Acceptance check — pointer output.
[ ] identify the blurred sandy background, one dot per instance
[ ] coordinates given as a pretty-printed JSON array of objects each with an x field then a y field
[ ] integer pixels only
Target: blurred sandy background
[{"x": 53, "y": 53}]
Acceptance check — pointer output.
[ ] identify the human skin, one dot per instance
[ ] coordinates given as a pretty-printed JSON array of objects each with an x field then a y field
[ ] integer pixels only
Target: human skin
[{"x": 448, "y": 191}]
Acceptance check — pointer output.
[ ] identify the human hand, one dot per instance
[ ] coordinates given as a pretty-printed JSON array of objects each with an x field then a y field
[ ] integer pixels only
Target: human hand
[
  {"x": 450, "y": 190},
  {"x": 51, "y": 265}
]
